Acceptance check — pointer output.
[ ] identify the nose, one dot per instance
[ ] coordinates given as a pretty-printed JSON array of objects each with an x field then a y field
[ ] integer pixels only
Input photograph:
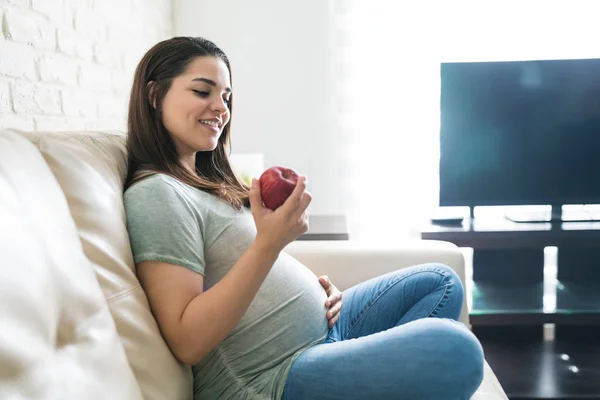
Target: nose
[{"x": 220, "y": 106}]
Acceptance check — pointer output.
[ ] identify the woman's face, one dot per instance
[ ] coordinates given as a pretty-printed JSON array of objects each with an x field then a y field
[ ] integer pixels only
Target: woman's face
[{"x": 195, "y": 109}]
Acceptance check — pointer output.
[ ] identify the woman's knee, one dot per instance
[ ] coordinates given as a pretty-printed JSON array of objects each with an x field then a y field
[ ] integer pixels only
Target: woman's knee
[
  {"x": 448, "y": 272},
  {"x": 456, "y": 354},
  {"x": 451, "y": 280},
  {"x": 463, "y": 352}
]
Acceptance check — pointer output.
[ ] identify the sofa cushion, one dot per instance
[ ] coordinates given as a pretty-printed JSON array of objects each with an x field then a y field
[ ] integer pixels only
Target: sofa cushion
[
  {"x": 58, "y": 336},
  {"x": 90, "y": 168}
]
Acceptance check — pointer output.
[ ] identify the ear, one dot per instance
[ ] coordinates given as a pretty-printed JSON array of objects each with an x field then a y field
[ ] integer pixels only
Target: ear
[{"x": 151, "y": 89}]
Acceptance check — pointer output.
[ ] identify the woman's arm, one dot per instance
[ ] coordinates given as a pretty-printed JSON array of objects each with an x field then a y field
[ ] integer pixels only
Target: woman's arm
[{"x": 192, "y": 321}]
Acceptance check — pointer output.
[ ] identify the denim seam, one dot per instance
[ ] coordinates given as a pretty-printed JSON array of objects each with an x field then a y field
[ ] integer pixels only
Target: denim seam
[
  {"x": 370, "y": 304},
  {"x": 445, "y": 296},
  {"x": 441, "y": 303}
]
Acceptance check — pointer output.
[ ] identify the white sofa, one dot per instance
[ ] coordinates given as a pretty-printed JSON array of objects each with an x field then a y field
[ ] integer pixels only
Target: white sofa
[{"x": 75, "y": 323}]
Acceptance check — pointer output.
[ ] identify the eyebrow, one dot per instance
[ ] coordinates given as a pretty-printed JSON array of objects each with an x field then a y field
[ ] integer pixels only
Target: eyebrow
[{"x": 210, "y": 82}]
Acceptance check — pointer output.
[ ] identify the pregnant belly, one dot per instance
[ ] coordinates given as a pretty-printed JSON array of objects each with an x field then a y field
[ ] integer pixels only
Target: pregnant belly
[
  {"x": 286, "y": 330},
  {"x": 280, "y": 321}
]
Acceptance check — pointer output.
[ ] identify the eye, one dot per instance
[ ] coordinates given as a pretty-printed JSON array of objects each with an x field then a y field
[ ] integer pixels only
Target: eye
[{"x": 200, "y": 93}]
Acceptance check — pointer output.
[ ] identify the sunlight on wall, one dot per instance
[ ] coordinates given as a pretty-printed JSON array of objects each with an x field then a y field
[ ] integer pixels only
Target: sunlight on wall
[{"x": 387, "y": 83}]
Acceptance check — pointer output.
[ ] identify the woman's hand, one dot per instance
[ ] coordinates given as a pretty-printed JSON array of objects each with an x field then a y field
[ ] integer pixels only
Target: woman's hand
[
  {"x": 276, "y": 229},
  {"x": 334, "y": 300}
]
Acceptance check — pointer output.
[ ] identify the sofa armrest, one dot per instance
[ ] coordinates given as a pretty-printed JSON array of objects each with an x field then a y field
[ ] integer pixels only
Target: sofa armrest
[{"x": 350, "y": 262}]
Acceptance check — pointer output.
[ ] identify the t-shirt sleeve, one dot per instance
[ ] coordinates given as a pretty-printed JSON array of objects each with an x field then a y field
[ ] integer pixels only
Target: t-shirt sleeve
[{"x": 163, "y": 225}]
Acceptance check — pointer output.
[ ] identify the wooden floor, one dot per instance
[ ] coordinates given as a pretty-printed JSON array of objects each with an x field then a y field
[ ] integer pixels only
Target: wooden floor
[{"x": 559, "y": 369}]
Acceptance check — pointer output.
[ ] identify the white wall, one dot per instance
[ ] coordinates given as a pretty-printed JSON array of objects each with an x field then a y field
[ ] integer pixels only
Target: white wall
[
  {"x": 408, "y": 40},
  {"x": 68, "y": 64},
  {"x": 280, "y": 53},
  {"x": 516, "y": 30}
]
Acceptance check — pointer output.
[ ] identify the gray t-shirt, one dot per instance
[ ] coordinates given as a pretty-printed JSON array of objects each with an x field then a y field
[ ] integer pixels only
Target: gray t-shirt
[{"x": 173, "y": 222}]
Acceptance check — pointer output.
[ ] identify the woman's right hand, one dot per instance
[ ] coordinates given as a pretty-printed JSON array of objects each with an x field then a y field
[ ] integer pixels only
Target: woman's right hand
[{"x": 276, "y": 229}]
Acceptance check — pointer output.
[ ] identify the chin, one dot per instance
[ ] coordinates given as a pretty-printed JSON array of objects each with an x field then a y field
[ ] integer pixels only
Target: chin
[{"x": 207, "y": 146}]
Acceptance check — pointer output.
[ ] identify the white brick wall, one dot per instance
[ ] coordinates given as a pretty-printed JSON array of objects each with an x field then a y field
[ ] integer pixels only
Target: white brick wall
[{"x": 68, "y": 64}]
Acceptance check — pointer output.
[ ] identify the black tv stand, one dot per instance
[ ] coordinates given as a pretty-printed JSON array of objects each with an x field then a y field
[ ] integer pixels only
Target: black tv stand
[
  {"x": 517, "y": 286},
  {"x": 555, "y": 215}
]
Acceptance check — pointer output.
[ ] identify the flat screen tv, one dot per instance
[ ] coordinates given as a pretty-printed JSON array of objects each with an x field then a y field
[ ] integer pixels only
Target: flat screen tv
[{"x": 520, "y": 133}]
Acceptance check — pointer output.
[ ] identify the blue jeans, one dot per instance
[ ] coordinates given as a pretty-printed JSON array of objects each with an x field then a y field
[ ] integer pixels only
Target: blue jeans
[{"x": 397, "y": 338}]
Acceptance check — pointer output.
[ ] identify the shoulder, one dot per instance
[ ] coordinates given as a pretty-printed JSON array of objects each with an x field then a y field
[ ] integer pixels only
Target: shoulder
[
  {"x": 157, "y": 186},
  {"x": 161, "y": 192},
  {"x": 156, "y": 189},
  {"x": 154, "y": 182}
]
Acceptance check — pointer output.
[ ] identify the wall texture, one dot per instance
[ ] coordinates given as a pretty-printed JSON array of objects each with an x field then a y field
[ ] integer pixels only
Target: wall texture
[{"x": 68, "y": 64}]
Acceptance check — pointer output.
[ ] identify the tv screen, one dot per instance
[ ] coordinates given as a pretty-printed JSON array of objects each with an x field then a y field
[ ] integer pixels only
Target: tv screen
[{"x": 520, "y": 132}]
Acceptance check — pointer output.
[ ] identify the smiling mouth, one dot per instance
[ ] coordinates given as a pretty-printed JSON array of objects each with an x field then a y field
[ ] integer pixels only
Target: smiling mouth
[{"x": 213, "y": 124}]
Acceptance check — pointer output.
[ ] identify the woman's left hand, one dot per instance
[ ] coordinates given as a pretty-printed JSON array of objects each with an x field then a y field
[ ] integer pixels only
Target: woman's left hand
[{"x": 334, "y": 300}]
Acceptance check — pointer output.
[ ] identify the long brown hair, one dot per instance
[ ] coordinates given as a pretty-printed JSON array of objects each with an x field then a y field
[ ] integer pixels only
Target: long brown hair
[{"x": 150, "y": 148}]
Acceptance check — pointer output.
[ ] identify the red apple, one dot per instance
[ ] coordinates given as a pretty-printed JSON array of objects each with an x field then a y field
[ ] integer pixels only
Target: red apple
[{"x": 276, "y": 185}]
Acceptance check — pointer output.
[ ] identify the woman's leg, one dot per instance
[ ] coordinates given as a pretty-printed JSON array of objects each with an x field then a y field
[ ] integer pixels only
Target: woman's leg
[
  {"x": 393, "y": 299},
  {"x": 431, "y": 358},
  {"x": 397, "y": 300}
]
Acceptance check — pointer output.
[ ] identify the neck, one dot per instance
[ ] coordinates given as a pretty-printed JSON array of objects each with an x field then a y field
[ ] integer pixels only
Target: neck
[{"x": 189, "y": 163}]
